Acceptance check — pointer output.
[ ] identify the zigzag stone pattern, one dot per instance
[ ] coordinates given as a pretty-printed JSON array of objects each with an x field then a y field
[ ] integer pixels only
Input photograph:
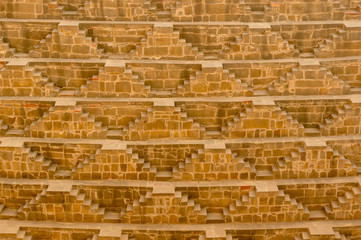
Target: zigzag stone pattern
[{"x": 180, "y": 119}]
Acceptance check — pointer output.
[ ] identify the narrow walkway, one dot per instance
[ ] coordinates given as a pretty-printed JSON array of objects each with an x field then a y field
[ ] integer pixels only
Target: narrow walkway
[
  {"x": 181, "y": 184},
  {"x": 315, "y": 227},
  {"x": 122, "y": 145}
]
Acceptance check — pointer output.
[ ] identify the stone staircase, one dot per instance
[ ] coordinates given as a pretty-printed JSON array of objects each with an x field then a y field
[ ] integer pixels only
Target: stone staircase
[
  {"x": 252, "y": 198},
  {"x": 308, "y": 79},
  {"x": 164, "y": 37},
  {"x": 67, "y": 41},
  {"x": 251, "y": 114},
  {"x": 215, "y": 80},
  {"x": 90, "y": 127},
  {"x": 159, "y": 173},
  {"x": 244, "y": 47},
  {"x": 23, "y": 235},
  {"x": 57, "y": 8},
  {"x": 343, "y": 201},
  {"x": 324, "y": 49},
  {"x": 5, "y": 50},
  {"x": 340, "y": 44},
  {"x": 179, "y": 124},
  {"x": 73, "y": 196},
  {"x": 180, "y": 119},
  {"x": 328, "y": 124},
  {"x": 127, "y": 83},
  {"x": 161, "y": 11},
  {"x": 25, "y": 80}
]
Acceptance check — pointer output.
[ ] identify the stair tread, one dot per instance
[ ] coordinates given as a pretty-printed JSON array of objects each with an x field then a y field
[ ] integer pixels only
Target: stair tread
[
  {"x": 317, "y": 214},
  {"x": 111, "y": 216},
  {"x": 9, "y": 212},
  {"x": 215, "y": 216}
]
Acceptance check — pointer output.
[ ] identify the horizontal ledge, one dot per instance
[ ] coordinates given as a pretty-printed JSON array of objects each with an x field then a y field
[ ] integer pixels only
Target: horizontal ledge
[
  {"x": 231, "y": 23},
  {"x": 166, "y": 61},
  {"x": 183, "y": 227},
  {"x": 181, "y": 184},
  {"x": 355, "y": 98},
  {"x": 120, "y": 144}
]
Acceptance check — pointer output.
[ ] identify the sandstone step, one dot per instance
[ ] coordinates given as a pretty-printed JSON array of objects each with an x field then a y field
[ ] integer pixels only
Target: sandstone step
[
  {"x": 306, "y": 236},
  {"x": 62, "y": 174},
  {"x": 9, "y": 212},
  {"x": 15, "y": 133},
  {"x": 67, "y": 93},
  {"x": 114, "y": 134},
  {"x": 317, "y": 215},
  {"x": 111, "y": 217},
  {"x": 163, "y": 175},
  {"x": 215, "y": 218},
  {"x": 260, "y": 92},
  {"x": 306, "y": 55},
  {"x": 264, "y": 174},
  {"x": 355, "y": 90},
  {"x": 312, "y": 132}
]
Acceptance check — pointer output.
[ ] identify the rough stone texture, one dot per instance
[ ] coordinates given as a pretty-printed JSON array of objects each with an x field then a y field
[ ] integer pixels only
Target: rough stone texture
[{"x": 180, "y": 120}]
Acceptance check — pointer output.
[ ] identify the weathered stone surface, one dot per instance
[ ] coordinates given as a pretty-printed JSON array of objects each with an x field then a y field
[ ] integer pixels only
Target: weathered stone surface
[{"x": 180, "y": 119}]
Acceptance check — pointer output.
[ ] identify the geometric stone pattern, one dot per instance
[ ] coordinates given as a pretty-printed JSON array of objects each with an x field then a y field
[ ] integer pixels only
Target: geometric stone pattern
[{"x": 180, "y": 119}]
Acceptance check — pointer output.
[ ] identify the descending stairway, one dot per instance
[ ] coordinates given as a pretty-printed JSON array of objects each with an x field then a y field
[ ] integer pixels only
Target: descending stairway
[
  {"x": 163, "y": 35},
  {"x": 5, "y": 50},
  {"x": 160, "y": 11},
  {"x": 292, "y": 81},
  {"x": 327, "y": 122},
  {"x": 243, "y": 47},
  {"x": 343, "y": 203},
  {"x": 52, "y": 47},
  {"x": 180, "y": 119}
]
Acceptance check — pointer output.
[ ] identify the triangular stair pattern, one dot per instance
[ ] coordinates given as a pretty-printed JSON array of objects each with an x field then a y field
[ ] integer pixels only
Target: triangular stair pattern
[
  {"x": 311, "y": 157},
  {"x": 246, "y": 47},
  {"x": 33, "y": 163},
  {"x": 214, "y": 80},
  {"x": 334, "y": 124},
  {"x": 67, "y": 41},
  {"x": 309, "y": 78},
  {"x": 67, "y": 121},
  {"x": 239, "y": 209},
  {"x": 263, "y": 119},
  {"x": 165, "y": 43},
  {"x": 175, "y": 200},
  {"x": 343, "y": 204},
  {"x": 213, "y": 162},
  {"x": 63, "y": 196},
  {"x": 163, "y": 115},
  {"x": 18, "y": 78},
  {"x": 115, "y": 80},
  {"x": 345, "y": 42}
]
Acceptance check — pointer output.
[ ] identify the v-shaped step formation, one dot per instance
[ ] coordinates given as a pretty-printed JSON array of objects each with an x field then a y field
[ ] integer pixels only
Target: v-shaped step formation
[
  {"x": 67, "y": 41},
  {"x": 345, "y": 42},
  {"x": 165, "y": 43},
  {"x": 309, "y": 78},
  {"x": 163, "y": 115},
  {"x": 66, "y": 120},
  {"x": 259, "y": 42}
]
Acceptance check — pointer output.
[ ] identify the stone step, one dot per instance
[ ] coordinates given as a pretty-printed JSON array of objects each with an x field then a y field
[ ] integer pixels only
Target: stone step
[
  {"x": 111, "y": 216},
  {"x": 62, "y": 174},
  {"x": 115, "y": 134},
  {"x": 9, "y": 213},
  {"x": 15, "y": 133},
  {"x": 317, "y": 215},
  {"x": 163, "y": 175},
  {"x": 312, "y": 132},
  {"x": 215, "y": 218},
  {"x": 264, "y": 174}
]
